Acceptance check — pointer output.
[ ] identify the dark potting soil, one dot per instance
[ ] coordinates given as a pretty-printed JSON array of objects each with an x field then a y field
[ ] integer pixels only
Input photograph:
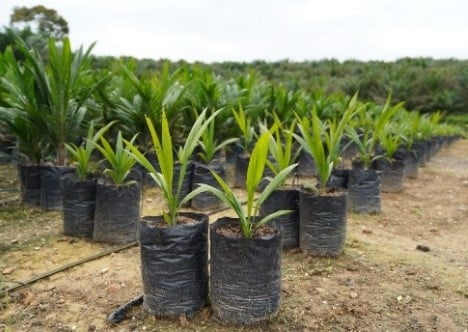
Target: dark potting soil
[
  {"x": 245, "y": 280},
  {"x": 322, "y": 223},
  {"x": 174, "y": 264},
  {"x": 235, "y": 232}
]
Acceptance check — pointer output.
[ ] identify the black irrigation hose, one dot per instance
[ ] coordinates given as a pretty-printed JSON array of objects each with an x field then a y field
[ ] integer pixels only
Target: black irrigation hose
[
  {"x": 67, "y": 266},
  {"x": 8, "y": 190}
]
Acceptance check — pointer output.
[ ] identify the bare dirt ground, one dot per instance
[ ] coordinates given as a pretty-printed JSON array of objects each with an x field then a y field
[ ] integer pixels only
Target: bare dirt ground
[{"x": 382, "y": 282}]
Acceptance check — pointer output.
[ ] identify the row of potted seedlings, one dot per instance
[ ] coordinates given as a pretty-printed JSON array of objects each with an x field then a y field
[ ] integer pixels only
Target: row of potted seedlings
[
  {"x": 316, "y": 221},
  {"x": 243, "y": 280},
  {"x": 317, "y": 226}
]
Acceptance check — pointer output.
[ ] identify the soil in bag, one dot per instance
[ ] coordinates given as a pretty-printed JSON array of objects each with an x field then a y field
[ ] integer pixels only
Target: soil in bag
[
  {"x": 364, "y": 191},
  {"x": 245, "y": 274},
  {"x": 392, "y": 174},
  {"x": 51, "y": 189},
  {"x": 174, "y": 264},
  {"x": 338, "y": 179},
  {"x": 117, "y": 212},
  {"x": 322, "y": 226},
  {"x": 30, "y": 184},
  {"x": 79, "y": 201},
  {"x": 285, "y": 199}
]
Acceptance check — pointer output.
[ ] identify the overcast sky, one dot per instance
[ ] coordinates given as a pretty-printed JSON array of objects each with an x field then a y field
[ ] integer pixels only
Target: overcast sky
[{"x": 245, "y": 30}]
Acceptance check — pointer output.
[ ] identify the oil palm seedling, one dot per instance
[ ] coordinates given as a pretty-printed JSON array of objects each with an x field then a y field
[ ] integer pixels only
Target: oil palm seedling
[
  {"x": 364, "y": 184},
  {"x": 210, "y": 161},
  {"x": 322, "y": 140},
  {"x": 163, "y": 148},
  {"x": 57, "y": 99},
  {"x": 117, "y": 194},
  {"x": 391, "y": 164},
  {"x": 322, "y": 222},
  {"x": 20, "y": 117},
  {"x": 285, "y": 197},
  {"x": 64, "y": 85},
  {"x": 173, "y": 245},
  {"x": 243, "y": 146},
  {"x": 239, "y": 247},
  {"x": 371, "y": 121},
  {"x": 132, "y": 99},
  {"x": 79, "y": 189},
  {"x": 82, "y": 154}
]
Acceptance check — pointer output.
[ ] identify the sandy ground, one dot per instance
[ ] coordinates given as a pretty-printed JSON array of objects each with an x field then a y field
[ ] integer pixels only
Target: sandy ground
[{"x": 382, "y": 282}]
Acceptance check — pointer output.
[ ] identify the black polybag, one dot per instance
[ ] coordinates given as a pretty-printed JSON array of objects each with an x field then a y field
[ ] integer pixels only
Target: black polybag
[
  {"x": 30, "y": 184},
  {"x": 174, "y": 265},
  {"x": 240, "y": 170},
  {"x": 410, "y": 161},
  {"x": 364, "y": 191},
  {"x": 322, "y": 227},
  {"x": 306, "y": 167},
  {"x": 245, "y": 275},
  {"x": 338, "y": 179},
  {"x": 202, "y": 175},
  {"x": 186, "y": 182},
  {"x": 51, "y": 189},
  {"x": 393, "y": 172},
  {"x": 117, "y": 212},
  {"x": 422, "y": 152},
  {"x": 79, "y": 201},
  {"x": 285, "y": 199}
]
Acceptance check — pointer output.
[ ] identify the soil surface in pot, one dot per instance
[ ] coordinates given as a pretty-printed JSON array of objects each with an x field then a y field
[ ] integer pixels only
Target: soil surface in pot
[
  {"x": 382, "y": 281},
  {"x": 235, "y": 232}
]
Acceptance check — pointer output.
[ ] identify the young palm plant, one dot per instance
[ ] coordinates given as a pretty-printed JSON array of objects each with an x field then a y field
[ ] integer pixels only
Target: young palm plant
[
  {"x": 284, "y": 197},
  {"x": 164, "y": 153},
  {"x": 364, "y": 183},
  {"x": 391, "y": 165},
  {"x": 322, "y": 140},
  {"x": 246, "y": 129},
  {"x": 209, "y": 155},
  {"x": 281, "y": 146},
  {"x": 243, "y": 146},
  {"x": 64, "y": 85},
  {"x": 79, "y": 189},
  {"x": 209, "y": 144},
  {"x": 248, "y": 218},
  {"x": 239, "y": 248},
  {"x": 119, "y": 159},
  {"x": 181, "y": 236},
  {"x": 322, "y": 222},
  {"x": 118, "y": 200},
  {"x": 20, "y": 109},
  {"x": 370, "y": 127},
  {"x": 82, "y": 154}
]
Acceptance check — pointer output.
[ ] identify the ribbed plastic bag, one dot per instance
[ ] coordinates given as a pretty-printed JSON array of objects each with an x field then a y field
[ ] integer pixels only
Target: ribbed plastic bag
[
  {"x": 51, "y": 189},
  {"x": 79, "y": 201},
  {"x": 364, "y": 191},
  {"x": 174, "y": 265},
  {"x": 245, "y": 275},
  {"x": 117, "y": 212},
  {"x": 30, "y": 182},
  {"x": 322, "y": 229},
  {"x": 285, "y": 199}
]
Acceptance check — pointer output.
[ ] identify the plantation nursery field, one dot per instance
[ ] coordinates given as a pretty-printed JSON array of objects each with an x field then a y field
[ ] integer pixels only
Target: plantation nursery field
[{"x": 405, "y": 269}]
